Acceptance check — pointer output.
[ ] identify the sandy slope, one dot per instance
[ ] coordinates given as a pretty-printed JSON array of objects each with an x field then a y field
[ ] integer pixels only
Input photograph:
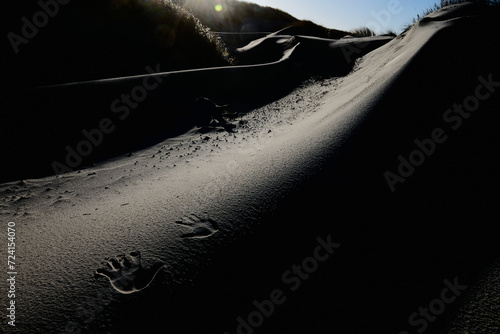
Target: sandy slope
[
  {"x": 57, "y": 114},
  {"x": 305, "y": 166},
  {"x": 77, "y": 220}
]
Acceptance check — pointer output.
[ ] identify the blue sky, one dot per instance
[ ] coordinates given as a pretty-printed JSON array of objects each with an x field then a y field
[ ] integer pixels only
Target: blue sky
[{"x": 379, "y": 15}]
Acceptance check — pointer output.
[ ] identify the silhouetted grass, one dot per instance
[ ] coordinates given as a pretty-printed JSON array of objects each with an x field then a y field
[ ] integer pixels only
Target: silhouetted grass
[
  {"x": 390, "y": 33},
  {"x": 95, "y": 39},
  {"x": 242, "y": 16},
  {"x": 493, "y": 4},
  {"x": 363, "y": 32},
  {"x": 367, "y": 32},
  {"x": 237, "y": 16}
]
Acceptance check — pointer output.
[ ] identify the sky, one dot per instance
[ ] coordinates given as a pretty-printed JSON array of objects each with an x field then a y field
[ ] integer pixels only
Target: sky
[{"x": 379, "y": 15}]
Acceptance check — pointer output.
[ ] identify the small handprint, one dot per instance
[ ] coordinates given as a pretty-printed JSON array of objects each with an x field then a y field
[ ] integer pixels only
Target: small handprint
[
  {"x": 126, "y": 273},
  {"x": 200, "y": 227}
]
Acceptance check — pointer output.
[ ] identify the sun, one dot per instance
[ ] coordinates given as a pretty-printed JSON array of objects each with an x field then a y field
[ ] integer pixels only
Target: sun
[{"x": 219, "y": 6}]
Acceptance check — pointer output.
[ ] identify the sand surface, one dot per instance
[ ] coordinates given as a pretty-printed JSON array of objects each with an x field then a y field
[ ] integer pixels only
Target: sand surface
[{"x": 227, "y": 213}]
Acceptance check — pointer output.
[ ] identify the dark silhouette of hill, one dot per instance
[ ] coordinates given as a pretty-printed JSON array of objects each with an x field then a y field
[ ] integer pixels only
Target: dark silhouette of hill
[
  {"x": 96, "y": 39},
  {"x": 237, "y": 16},
  {"x": 245, "y": 17}
]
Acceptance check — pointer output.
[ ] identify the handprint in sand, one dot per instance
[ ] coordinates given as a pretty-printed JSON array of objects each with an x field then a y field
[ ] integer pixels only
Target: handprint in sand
[{"x": 126, "y": 273}]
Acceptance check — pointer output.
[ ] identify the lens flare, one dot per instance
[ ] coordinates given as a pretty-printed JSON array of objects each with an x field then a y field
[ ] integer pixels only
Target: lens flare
[{"x": 218, "y": 8}]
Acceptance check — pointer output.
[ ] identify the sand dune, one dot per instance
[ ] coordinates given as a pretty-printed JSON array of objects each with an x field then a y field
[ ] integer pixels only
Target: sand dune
[
  {"x": 331, "y": 56},
  {"x": 301, "y": 177},
  {"x": 160, "y": 101}
]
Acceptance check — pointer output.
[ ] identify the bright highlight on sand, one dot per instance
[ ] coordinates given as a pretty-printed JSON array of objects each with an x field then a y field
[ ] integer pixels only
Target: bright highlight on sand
[{"x": 218, "y": 8}]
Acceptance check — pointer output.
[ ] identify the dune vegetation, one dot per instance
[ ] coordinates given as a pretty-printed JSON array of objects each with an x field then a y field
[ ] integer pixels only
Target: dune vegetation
[
  {"x": 98, "y": 39},
  {"x": 492, "y": 4},
  {"x": 106, "y": 38},
  {"x": 246, "y": 17}
]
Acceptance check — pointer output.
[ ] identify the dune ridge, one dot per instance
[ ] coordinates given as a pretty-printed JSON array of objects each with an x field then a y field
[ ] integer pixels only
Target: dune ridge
[{"x": 167, "y": 107}]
